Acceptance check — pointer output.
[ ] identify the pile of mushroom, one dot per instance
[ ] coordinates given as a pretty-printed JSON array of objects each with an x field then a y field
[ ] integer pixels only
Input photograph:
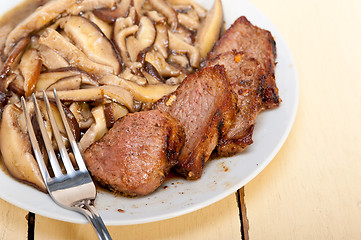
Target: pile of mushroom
[{"x": 106, "y": 58}]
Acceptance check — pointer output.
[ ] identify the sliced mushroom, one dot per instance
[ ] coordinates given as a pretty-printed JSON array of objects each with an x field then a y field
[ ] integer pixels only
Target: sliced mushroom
[
  {"x": 74, "y": 126},
  {"x": 41, "y": 17},
  {"x": 67, "y": 83},
  {"x": 147, "y": 7},
  {"x": 150, "y": 78},
  {"x": 146, "y": 32},
  {"x": 144, "y": 39},
  {"x": 82, "y": 113},
  {"x": 164, "y": 68},
  {"x": 92, "y": 41},
  {"x": 176, "y": 80},
  {"x": 111, "y": 14},
  {"x": 113, "y": 112},
  {"x": 210, "y": 29},
  {"x": 13, "y": 99},
  {"x": 185, "y": 35},
  {"x": 105, "y": 27},
  {"x": 149, "y": 93},
  {"x": 181, "y": 47},
  {"x": 34, "y": 42},
  {"x": 119, "y": 95},
  {"x": 16, "y": 148},
  {"x": 133, "y": 48},
  {"x": 76, "y": 58},
  {"x": 12, "y": 61},
  {"x": 123, "y": 28},
  {"x": 70, "y": 119},
  {"x": 17, "y": 84},
  {"x": 119, "y": 38},
  {"x": 198, "y": 8},
  {"x": 97, "y": 129},
  {"x": 8, "y": 80},
  {"x": 127, "y": 74},
  {"x": 162, "y": 40},
  {"x": 30, "y": 67},
  {"x": 46, "y": 79},
  {"x": 180, "y": 60},
  {"x": 114, "y": 93},
  {"x": 188, "y": 22},
  {"x": 124, "y": 22},
  {"x": 124, "y": 7},
  {"x": 182, "y": 8},
  {"x": 151, "y": 73},
  {"x": 164, "y": 8},
  {"x": 51, "y": 59},
  {"x": 138, "y": 4},
  {"x": 88, "y": 5},
  {"x": 156, "y": 17}
]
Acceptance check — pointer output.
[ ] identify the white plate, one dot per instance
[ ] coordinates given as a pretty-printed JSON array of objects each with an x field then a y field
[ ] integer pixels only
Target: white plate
[{"x": 181, "y": 196}]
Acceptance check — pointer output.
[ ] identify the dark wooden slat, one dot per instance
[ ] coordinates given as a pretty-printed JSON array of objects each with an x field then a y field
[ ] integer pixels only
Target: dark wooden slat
[
  {"x": 31, "y": 225},
  {"x": 243, "y": 214}
]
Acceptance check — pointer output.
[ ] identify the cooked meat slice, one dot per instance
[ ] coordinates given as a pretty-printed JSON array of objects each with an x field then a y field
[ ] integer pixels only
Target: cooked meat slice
[
  {"x": 245, "y": 75},
  {"x": 205, "y": 105},
  {"x": 257, "y": 43},
  {"x": 137, "y": 152}
]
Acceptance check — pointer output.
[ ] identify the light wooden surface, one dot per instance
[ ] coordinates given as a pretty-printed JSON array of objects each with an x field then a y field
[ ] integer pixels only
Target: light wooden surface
[
  {"x": 218, "y": 221},
  {"x": 312, "y": 189},
  {"x": 13, "y": 222}
]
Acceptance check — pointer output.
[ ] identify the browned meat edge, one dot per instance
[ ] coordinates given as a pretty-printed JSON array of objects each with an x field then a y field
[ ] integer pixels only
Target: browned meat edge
[{"x": 205, "y": 105}]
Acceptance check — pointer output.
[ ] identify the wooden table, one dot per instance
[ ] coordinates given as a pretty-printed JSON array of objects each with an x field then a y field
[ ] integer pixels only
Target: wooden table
[{"x": 312, "y": 188}]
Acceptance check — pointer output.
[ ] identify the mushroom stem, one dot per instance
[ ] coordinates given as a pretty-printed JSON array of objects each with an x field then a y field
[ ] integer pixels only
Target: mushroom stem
[
  {"x": 181, "y": 47},
  {"x": 149, "y": 93},
  {"x": 164, "y": 8}
]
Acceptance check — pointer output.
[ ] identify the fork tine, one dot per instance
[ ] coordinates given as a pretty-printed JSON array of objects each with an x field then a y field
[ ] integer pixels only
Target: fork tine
[
  {"x": 48, "y": 145},
  {"x": 62, "y": 149},
  {"x": 34, "y": 142},
  {"x": 77, "y": 155}
]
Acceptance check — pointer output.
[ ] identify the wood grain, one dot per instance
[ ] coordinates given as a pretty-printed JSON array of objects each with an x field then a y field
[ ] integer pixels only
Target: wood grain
[
  {"x": 13, "y": 222},
  {"x": 218, "y": 221},
  {"x": 311, "y": 190}
]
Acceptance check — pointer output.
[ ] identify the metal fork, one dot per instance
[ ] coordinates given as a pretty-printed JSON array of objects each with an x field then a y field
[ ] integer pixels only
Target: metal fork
[{"x": 74, "y": 189}]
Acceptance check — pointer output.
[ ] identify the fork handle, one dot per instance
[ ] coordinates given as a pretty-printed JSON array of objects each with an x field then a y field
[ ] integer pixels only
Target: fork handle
[{"x": 91, "y": 213}]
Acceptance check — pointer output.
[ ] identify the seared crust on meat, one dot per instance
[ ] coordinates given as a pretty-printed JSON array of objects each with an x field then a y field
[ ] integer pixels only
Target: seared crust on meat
[
  {"x": 137, "y": 153},
  {"x": 244, "y": 75},
  {"x": 205, "y": 105},
  {"x": 256, "y": 43}
]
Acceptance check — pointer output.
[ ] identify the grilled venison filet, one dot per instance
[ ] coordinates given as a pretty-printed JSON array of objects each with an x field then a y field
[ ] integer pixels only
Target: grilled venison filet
[
  {"x": 244, "y": 75},
  {"x": 256, "y": 43},
  {"x": 136, "y": 154},
  {"x": 248, "y": 54},
  {"x": 205, "y": 105}
]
